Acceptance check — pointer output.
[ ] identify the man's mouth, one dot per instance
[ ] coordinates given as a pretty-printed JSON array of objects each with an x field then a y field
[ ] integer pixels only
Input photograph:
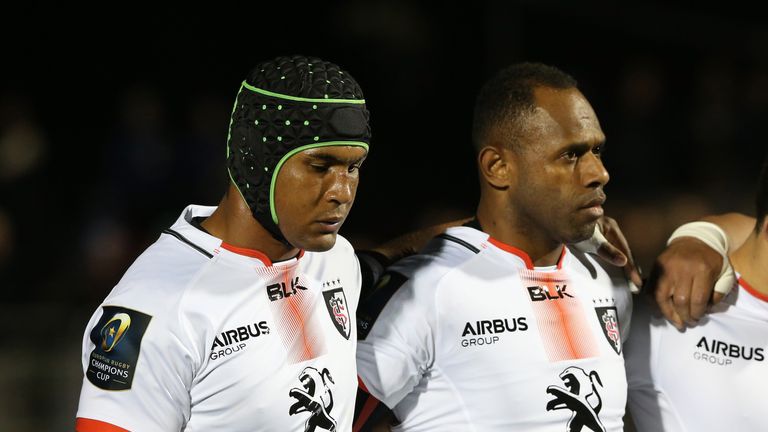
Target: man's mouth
[
  {"x": 594, "y": 206},
  {"x": 330, "y": 224}
]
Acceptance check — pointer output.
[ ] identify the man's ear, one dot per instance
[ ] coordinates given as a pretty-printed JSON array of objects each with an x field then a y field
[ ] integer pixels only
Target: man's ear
[
  {"x": 497, "y": 166},
  {"x": 764, "y": 228}
]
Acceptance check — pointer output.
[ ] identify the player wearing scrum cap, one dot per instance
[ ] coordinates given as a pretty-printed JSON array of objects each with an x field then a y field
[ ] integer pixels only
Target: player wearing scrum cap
[{"x": 241, "y": 316}]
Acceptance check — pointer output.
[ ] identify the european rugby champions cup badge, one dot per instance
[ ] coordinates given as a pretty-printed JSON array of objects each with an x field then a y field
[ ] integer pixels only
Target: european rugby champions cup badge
[
  {"x": 336, "y": 304},
  {"x": 609, "y": 324},
  {"x": 117, "y": 339}
]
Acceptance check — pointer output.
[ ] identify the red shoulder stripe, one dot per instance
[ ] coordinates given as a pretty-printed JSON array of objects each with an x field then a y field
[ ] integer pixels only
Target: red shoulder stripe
[{"x": 90, "y": 425}]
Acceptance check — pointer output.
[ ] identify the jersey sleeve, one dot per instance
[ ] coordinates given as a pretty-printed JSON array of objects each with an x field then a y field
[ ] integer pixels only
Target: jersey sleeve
[
  {"x": 646, "y": 403},
  {"x": 137, "y": 368},
  {"x": 397, "y": 338}
]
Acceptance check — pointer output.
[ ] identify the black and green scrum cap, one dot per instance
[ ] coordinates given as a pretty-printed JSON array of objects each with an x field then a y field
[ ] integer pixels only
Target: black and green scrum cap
[{"x": 285, "y": 106}]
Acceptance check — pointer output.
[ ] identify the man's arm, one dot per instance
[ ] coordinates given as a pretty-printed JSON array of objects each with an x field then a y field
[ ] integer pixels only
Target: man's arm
[
  {"x": 374, "y": 261},
  {"x": 684, "y": 275},
  {"x": 608, "y": 242},
  {"x": 736, "y": 226},
  {"x": 395, "y": 344},
  {"x": 136, "y": 372},
  {"x": 412, "y": 242}
]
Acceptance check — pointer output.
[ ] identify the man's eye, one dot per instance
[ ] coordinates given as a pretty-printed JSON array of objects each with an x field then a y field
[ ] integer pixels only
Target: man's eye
[
  {"x": 319, "y": 167},
  {"x": 598, "y": 150},
  {"x": 353, "y": 168},
  {"x": 570, "y": 155}
]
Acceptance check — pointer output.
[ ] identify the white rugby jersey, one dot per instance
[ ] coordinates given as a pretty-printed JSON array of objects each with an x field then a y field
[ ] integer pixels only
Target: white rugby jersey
[
  {"x": 200, "y": 336},
  {"x": 475, "y": 338},
  {"x": 710, "y": 377}
]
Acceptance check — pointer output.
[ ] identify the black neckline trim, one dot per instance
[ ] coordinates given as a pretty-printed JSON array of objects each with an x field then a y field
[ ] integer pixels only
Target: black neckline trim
[
  {"x": 185, "y": 240},
  {"x": 459, "y": 241}
]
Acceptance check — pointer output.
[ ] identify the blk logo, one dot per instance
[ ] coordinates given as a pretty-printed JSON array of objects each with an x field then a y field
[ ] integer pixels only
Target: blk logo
[
  {"x": 581, "y": 397},
  {"x": 278, "y": 291},
  {"x": 540, "y": 293},
  {"x": 314, "y": 397}
]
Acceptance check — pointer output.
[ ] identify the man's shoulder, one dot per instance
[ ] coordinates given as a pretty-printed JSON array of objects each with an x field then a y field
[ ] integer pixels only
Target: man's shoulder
[
  {"x": 444, "y": 253},
  {"x": 161, "y": 273},
  {"x": 411, "y": 283}
]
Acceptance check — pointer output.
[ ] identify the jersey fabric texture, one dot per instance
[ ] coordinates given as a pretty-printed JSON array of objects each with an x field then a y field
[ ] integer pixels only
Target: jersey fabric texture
[
  {"x": 473, "y": 337},
  {"x": 199, "y": 335},
  {"x": 706, "y": 378}
]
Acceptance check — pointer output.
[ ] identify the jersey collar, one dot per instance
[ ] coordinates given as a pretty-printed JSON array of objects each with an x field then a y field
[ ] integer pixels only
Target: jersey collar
[
  {"x": 525, "y": 258},
  {"x": 755, "y": 293},
  {"x": 214, "y": 245},
  {"x": 480, "y": 240},
  {"x": 253, "y": 253}
]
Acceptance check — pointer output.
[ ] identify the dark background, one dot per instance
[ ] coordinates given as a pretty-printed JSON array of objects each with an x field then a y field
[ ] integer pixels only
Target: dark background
[{"x": 114, "y": 117}]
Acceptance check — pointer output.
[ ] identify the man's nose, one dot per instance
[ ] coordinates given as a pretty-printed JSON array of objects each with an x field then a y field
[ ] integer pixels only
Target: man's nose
[
  {"x": 593, "y": 171},
  {"x": 342, "y": 188}
]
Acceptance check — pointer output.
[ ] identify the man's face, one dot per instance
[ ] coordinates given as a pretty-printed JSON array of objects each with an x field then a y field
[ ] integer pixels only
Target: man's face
[
  {"x": 314, "y": 192},
  {"x": 558, "y": 194}
]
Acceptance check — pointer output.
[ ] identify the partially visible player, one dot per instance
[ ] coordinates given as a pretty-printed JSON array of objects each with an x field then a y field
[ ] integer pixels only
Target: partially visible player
[
  {"x": 709, "y": 376},
  {"x": 498, "y": 325},
  {"x": 241, "y": 316},
  {"x": 683, "y": 274}
]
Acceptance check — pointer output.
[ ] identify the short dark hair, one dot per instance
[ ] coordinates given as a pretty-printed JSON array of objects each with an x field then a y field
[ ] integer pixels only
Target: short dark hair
[
  {"x": 508, "y": 95},
  {"x": 762, "y": 196}
]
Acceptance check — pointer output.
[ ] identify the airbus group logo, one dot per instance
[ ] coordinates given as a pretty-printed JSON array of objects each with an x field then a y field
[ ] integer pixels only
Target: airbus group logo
[
  {"x": 716, "y": 352},
  {"x": 113, "y": 331},
  {"x": 475, "y": 331}
]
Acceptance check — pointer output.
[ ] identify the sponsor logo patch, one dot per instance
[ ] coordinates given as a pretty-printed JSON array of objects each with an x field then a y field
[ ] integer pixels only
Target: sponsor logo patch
[
  {"x": 722, "y": 353},
  {"x": 580, "y": 395},
  {"x": 314, "y": 396},
  {"x": 489, "y": 332},
  {"x": 117, "y": 339},
  {"x": 551, "y": 292},
  {"x": 234, "y": 340},
  {"x": 279, "y": 290}
]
